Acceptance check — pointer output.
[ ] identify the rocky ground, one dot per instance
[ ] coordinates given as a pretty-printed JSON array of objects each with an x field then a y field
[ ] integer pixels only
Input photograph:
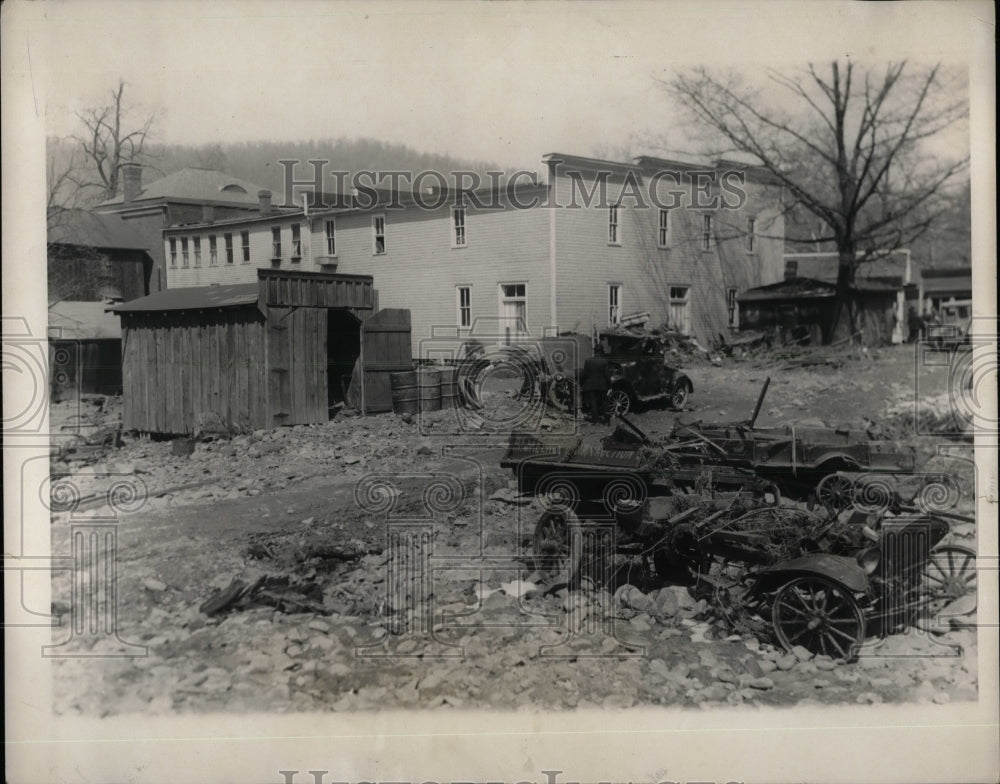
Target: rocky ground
[{"x": 305, "y": 518}]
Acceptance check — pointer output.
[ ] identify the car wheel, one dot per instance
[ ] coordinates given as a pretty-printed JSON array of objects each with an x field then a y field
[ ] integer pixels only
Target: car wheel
[
  {"x": 618, "y": 402},
  {"x": 679, "y": 397}
]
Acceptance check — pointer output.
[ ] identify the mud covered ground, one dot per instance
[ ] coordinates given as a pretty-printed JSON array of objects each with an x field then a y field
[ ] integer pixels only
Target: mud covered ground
[{"x": 315, "y": 518}]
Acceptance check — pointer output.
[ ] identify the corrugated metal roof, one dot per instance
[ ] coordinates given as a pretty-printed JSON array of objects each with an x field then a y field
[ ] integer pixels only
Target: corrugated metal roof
[
  {"x": 82, "y": 321},
  {"x": 92, "y": 230},
  {"x": 193, "y": 298},
  {"x": 197, "y": 184}
]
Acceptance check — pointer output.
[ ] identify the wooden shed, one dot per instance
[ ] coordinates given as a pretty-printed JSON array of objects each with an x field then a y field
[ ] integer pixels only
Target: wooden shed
[
  {"x": 801, "y": 310},
  {"x": 255, "y": 355}
]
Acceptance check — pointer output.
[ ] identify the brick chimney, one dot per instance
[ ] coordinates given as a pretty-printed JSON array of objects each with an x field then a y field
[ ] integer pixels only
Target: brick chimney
[
  {"x": 131, "y": 181},
  {"x": 265, "y": 202},
  {"x": 791, "y": 269}
]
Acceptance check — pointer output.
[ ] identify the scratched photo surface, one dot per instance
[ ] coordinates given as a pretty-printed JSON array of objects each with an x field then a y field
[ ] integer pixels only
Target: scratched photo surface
[{"x": 451, "y": 364}]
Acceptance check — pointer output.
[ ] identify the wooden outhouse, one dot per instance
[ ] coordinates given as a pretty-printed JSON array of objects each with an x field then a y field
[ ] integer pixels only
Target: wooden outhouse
[{"x": 256, "y": 355}]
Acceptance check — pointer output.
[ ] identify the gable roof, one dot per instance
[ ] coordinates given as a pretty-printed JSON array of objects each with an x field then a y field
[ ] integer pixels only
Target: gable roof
[
  {"x": 197, "y": 184},
  {"x": 93, "y": 230}
]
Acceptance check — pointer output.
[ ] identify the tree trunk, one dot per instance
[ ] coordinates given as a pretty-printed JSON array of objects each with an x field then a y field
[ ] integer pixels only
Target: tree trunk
[{"x": 843, "y": 322}]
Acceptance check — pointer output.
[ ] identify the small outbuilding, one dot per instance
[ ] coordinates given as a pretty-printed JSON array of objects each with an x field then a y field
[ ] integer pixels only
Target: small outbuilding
[
  {"x": 257, "y": 355},
  {"x": 800, "y": 309},
  {"x": 85, "y": 350}
]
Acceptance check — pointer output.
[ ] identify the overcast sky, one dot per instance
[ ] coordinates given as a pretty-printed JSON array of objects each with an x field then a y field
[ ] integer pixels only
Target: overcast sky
[{"x": 503, "y": 82}]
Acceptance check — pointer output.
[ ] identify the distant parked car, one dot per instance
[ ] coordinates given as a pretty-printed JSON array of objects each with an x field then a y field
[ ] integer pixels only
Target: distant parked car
[{"x": 639, "y": 373}]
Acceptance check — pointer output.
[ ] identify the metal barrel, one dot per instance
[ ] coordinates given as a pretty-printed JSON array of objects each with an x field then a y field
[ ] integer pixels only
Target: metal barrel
[
  {"x": 449, "y": 387},
  {"x": 405, "y": 392},
  {"x": 429, "y": 383}
]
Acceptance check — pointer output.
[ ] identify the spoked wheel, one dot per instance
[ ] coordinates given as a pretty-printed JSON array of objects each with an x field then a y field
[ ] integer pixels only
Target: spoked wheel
[
  {"x": 948, "y": 574},
  {"x": 618, "y": 402},
  {"x": 835, "y": 492},
  {"x": 563, "y": 394},
  {"x": 552, "y": 547},
  {"x": 679, "y": 397},
  {"x": 819, "y": 615}
]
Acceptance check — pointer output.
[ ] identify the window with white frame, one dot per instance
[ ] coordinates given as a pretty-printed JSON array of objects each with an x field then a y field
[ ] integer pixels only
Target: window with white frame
[
  {"x": 213, "y": 251},
  {"x": 173, "y": 252},
  {"x": 680, "y": 308},
  {"x": 228, "y": 239},
  {"x": 613, "y": 225},
  {"x": 663, "y": 230},
  {"x": 296, "y": 242},
  {"x": 614, "y": 303},
  {"x": 276, "y": 242},
  {"x": 731, "y": 308},
  {"x": 707, "y": 225},
  {"x": 245, "y": 242},
  {"x": 751, "y": 235},
  {"x": 197, "y": 251},
  {"x": 184, "y": 251},
  {"x": 514, "y": 306},
  {"x": 378, "y": 234},
  {"x": 458, "y": 225},
  {"x": 331, "y": 237},
  {"x": 464, "y": 296}
]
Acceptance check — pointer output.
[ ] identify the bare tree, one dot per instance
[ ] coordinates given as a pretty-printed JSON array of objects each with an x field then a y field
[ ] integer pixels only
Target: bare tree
[
  {"x": 849, "y": 145},
  {"x": 107, "y": 142}
]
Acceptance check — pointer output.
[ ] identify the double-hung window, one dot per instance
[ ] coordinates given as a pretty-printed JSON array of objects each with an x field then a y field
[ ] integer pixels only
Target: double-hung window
[
  {"x": 458, "y": 226},
  {"x": 378, "y": 234},
  {"x": 614, "y": 303},
  {"x": 464, "y": 294},
  {"x": 613, "y": 227},
  {"x": 663, "y": 230},
  {"x": 276, "y": 242},
  {"x": 707, "y": 226},
  {"x": 331, "y": 237}
]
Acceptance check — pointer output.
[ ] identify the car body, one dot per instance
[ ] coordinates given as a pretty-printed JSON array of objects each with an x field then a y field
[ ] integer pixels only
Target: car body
[{"x": 639, "y": 372}]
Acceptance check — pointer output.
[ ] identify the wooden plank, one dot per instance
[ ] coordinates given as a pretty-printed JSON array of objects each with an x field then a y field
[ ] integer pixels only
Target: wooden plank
[
  {"x": 189, "y": 369},
  {"x": 278, "y": 361},
  {"x": 159, "y": 369},
  {"x": 226, "y": 390}
]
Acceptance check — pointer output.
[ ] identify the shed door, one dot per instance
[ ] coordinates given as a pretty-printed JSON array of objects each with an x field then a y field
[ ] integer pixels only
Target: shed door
[{"x": 385, "y": 349}]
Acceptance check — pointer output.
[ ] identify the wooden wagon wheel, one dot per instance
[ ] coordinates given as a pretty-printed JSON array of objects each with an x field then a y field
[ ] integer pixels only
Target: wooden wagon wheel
[
  {"x": 835, "y": 492},
  {"x": 820, "y": 615},
  {"x": 948, "y": 574},
  {"x": 553, "y": 547},
  {"x": 563, "y": 394}
]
